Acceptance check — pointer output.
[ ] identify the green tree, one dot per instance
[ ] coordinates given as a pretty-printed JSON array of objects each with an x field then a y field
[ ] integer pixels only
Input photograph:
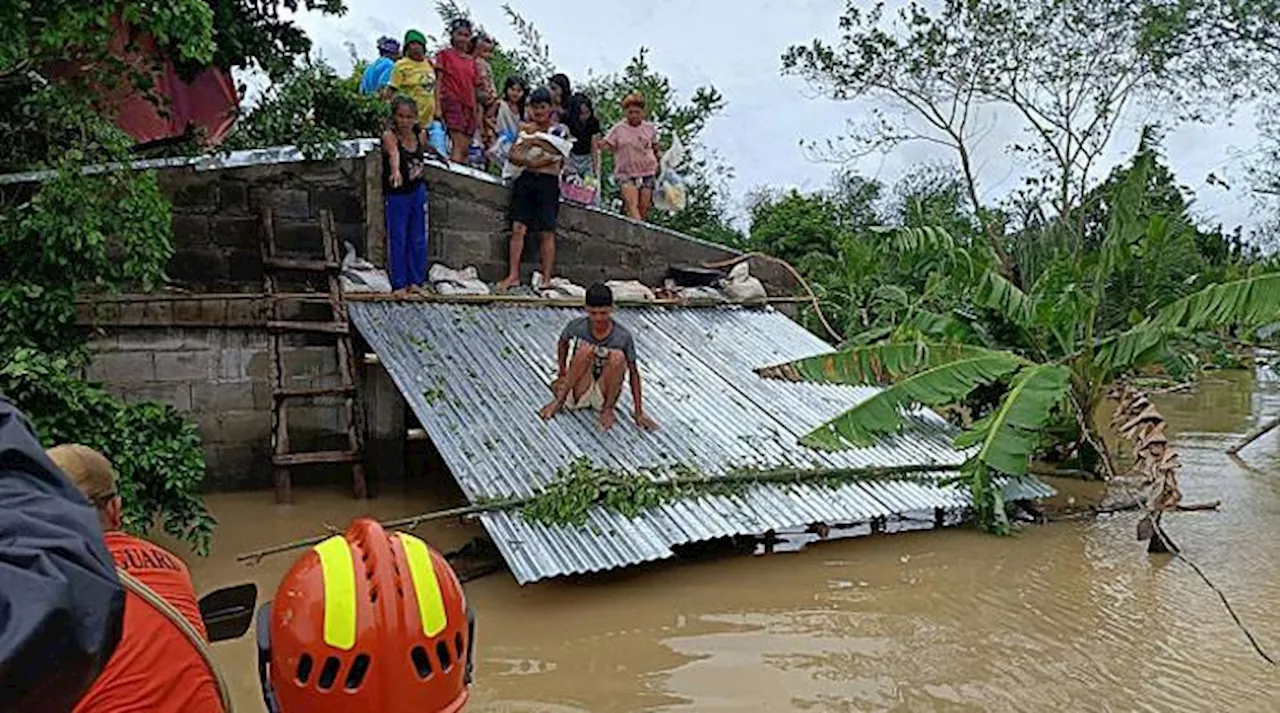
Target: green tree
[
  {"x": 1067, "y": 70},
  {"x": 1066, "y": 359},
  {"x": 107, "y": 229},
  {"x": 313, "y": 108}
]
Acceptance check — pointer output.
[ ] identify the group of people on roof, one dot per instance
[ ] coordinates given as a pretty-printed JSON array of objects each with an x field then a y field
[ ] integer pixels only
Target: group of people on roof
[{"x": 447, "y": 106}]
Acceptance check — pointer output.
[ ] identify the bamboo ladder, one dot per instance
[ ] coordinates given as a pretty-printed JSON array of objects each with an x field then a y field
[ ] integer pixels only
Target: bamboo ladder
[{"x": 283, "y": 457}]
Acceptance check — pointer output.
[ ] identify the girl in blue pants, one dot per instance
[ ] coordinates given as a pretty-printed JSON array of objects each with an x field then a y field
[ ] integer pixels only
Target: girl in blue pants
[{"x": 403, "y": 148}]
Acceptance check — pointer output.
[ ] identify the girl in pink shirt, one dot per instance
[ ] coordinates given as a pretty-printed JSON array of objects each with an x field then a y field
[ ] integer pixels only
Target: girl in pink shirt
[{"x": 634, "y": 143}]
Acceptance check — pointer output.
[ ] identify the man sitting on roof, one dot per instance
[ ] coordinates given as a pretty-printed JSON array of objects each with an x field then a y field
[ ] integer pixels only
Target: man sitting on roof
[{"x": 604, "y": 354}]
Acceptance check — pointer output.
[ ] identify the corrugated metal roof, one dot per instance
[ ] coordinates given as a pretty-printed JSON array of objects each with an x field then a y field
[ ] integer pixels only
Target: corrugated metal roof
[{"x": 475, "y": 376}]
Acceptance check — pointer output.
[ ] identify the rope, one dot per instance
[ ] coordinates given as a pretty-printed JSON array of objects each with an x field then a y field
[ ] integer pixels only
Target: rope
[
  {"x": 813, "y": 297},
  {"x": 1253, "y": 641},
  {"x": 132, "y": 584}
]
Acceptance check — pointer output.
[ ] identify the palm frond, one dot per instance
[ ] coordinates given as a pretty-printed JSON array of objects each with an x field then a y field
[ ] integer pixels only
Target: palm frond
[
  {"x": 872, "y": 365},
  {"x": 917, "y": 239},
  {"x": 882, "y": 414},
  {"x": 1129, "y": 349},
  {"x": 1250, "y": 302},
  {"x": 1007, "y": 437},
  {"x": 1002, "y": 296}
]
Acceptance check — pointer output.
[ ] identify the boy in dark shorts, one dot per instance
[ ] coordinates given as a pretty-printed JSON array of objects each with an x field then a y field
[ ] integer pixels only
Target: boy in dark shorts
[
  {"x": 604, "y": 353},
  {"x": 535, "y": 196}
]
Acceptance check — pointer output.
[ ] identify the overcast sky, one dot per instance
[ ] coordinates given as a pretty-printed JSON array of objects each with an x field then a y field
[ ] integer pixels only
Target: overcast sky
[{"x": 736, "y": 45}]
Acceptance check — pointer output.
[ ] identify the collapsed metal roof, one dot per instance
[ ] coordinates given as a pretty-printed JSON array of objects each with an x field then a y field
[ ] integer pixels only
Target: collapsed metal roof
[{"x": 476, "y": 375}]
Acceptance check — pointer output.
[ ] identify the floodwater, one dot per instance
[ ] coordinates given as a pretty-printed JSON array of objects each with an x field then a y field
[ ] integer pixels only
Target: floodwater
[{"x": 1073, "y": 616}]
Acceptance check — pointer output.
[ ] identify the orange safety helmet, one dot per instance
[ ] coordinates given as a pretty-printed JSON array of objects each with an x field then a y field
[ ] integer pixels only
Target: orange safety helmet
[{"x": 367, "y": 621}]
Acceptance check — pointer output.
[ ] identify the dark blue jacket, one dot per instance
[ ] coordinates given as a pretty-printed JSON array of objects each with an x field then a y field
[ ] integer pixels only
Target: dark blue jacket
[{"x": 61, "y": 606}]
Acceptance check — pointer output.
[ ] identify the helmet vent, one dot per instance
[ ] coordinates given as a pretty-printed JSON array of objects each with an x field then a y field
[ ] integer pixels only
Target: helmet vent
[
  {"x": 355, "y": 675},
  {"x": 442, "y": 651},
  {"x": 305, "y": 664},
  {"x": 457, "y": 644},
  {"x": 328, "y": 674},
  {"x": 421, "y": 662}
]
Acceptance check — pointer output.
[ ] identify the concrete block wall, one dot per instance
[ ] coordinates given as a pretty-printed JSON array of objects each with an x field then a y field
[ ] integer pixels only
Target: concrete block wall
[
  {"x": 221, "y": 377},
  {"x": 217, "y": 227}
]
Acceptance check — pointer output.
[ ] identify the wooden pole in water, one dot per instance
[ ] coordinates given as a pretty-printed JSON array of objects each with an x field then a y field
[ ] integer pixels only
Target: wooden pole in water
[{"x": 1254, "y": 435}]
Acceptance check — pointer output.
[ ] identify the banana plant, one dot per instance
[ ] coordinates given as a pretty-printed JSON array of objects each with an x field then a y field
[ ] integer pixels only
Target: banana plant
[{"x": 1060, "y": 370}]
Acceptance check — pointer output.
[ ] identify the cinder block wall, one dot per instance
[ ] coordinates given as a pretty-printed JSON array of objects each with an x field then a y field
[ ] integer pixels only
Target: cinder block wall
[{"x": 207, "y": 354}]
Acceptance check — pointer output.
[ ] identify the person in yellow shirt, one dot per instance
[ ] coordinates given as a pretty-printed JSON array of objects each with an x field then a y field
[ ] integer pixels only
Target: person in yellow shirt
[{"x": 414, "y": 76}]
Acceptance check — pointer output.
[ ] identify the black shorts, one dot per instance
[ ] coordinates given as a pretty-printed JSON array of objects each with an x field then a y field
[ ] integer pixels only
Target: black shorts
[{"x": 535, "y": 201}]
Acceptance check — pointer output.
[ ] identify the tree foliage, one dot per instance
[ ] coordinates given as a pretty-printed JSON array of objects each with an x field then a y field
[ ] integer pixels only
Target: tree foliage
[
  {"x": 1067, "y": 71},
  {"x": 1098, "y": 311},
  {"x": 85, "y": 231},
  {"x": 313, "y": 108}
]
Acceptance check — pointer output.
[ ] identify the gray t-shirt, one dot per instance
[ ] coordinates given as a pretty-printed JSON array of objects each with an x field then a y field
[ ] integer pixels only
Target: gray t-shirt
[{"x": 619, "y": 337}]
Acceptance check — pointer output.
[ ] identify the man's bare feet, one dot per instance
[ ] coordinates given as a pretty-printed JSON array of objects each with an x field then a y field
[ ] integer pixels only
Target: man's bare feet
[
  {"x": 401, "y": 293},
  {"x": 607, "y": 419},
  {"x": 506, "y": 284},
  {"x": 549, "y": 411},
  {"x": 645, "y": 423}
]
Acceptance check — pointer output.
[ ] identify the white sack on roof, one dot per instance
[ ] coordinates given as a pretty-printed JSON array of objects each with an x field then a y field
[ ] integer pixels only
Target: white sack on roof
[
  {"x": 558, "y": 288},
  {"x": 630, "y": 290},
  {"x": 695, "y": 294},
  {"x": 448, "y": 281},
  {"x": 360, "y": 275},
  {"x": 741, "y": 286}
]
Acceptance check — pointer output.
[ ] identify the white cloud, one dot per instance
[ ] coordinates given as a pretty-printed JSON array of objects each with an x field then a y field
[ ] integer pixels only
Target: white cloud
[{"x": 736, "y": 45}]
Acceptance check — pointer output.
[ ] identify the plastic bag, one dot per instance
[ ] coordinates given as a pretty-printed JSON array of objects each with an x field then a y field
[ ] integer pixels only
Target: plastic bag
[
  {"x": 501, "y": 148},
  {"x": 671, "y": 194},
  {"x": 576, "y": 189},
  {"x": 438, "y": 138}
]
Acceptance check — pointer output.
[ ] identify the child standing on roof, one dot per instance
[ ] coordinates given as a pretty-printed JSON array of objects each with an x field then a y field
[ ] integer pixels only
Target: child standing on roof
[
  {"x": 414, "y": 76},
  {"x": 482, "y": 47},
  {"x": 459, "y": 80},
  {"x": 538, "y": 159},
  {"x": 404, "y": 147}
]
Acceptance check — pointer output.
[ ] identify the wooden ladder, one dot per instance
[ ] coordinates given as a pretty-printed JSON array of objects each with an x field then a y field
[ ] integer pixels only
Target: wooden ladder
[{"x": 283, "y": 458}]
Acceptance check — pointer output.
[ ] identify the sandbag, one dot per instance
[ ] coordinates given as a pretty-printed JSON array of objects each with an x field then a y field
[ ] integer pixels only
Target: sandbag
[
  {"x": 360, "y": 275},
  {"x": 630, "y": 290},
  {"x": 740, "y": 286},
  {"x": 447, "y": 281},
  {"x": 558, "y": 288}
]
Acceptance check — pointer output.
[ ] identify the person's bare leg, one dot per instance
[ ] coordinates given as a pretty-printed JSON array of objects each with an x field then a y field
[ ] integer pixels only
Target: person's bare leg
[
  {"x": 516, "y": 250},
  {"x": 548, "y": 256},
  {"x": 631, "y": 200},
  {"x": 646, "y": 203},
  {"x": 576, "y": 381},
  {"x": 611, "y": 378},
  {"x": 460, "y": 145}
]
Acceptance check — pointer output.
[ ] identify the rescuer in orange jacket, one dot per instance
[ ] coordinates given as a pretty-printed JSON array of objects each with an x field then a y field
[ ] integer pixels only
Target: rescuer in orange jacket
[{"x": 368, "y": 621}]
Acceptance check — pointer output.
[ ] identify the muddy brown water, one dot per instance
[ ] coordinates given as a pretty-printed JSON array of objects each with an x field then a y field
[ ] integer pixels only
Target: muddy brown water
[{"x": 1066, "y": 617}]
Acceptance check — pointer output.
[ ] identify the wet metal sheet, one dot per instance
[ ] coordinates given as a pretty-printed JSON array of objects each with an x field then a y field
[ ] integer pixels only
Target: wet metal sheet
[{"x": 475, "y": 376}]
